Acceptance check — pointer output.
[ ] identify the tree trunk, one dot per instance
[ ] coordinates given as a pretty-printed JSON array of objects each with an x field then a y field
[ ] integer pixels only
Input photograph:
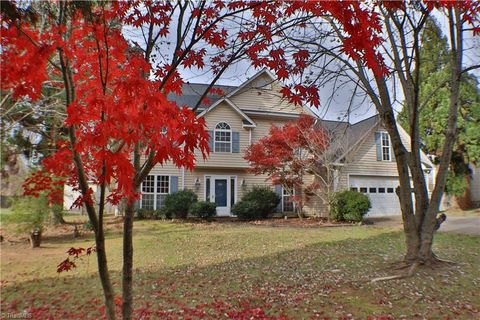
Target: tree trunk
[
  {"x": 35, "y": 238},
  {"x": 427, "y": 228},
  {"x": 127, "y": 279},
  {"x": 105, "y": 276}
]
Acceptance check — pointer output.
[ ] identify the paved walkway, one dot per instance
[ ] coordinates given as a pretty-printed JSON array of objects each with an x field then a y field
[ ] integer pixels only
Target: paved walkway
[{"x": 466, "y": 225}]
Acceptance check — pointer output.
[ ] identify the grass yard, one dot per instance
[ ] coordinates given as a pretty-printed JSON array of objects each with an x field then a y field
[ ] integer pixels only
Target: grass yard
[{"x": 241, "y": 271}]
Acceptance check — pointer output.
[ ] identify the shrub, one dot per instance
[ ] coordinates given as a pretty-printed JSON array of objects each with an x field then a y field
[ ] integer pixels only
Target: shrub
[
  {"x": 162, "y": 214},
  {"x": 179, "y": 203},
  {"x": 265, "y": 199},
  {"x": 29, "y": 214},
  {"x": 203, "y": 210},
  {"x": 350, "y": 206},
  {"x": 246, "y": 210},
  {"x": 142, "y": 214}
]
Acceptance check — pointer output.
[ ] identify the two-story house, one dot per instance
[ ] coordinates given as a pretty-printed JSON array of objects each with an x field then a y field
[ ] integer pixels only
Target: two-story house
[
  {"x": 235, "y": 120},
  {"x": 244, "y": 114},
  {"x": 241, "y": 116}
]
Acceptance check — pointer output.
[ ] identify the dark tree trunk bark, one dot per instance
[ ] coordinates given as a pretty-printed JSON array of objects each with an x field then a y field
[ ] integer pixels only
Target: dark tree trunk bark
[
  {"x": 427, "y": 228},
  {"x": 105, "y": 276},
  {"x": 97, "y": 221},
  {"x": 402, "y": 156},
  {"x": 127, "y": 279}
]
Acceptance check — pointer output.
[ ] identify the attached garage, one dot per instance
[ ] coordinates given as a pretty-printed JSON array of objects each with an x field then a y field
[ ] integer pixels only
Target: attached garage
[{"x": 381, "y": 191}]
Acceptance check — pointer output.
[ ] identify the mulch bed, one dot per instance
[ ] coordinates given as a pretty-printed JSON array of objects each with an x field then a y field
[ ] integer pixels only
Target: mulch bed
[{"x": 289, "y": 222}]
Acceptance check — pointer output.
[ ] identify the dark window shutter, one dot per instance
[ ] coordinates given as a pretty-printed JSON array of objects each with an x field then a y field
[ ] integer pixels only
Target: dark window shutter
[
  {"x": 378, "y": 141},
  {"x": 392, "y": 157},
  {"x": 210, "y": 140},
  {"x": 236, "y": 142},
  {"x": 173, "y": 184},
  {"x": 278, "y": 191}
]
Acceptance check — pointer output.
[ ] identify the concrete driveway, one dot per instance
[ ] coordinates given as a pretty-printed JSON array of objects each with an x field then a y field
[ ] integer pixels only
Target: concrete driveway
[
  {"x": 466, "y": 225},
  {"x": 458, "y": 224}
]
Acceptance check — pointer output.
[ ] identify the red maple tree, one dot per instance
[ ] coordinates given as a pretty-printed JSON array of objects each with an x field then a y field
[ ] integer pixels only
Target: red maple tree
[{"x": 288, "y": 155}]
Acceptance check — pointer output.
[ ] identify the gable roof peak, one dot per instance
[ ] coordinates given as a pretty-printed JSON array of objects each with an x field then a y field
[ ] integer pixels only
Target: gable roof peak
[{"x": 233, "y": 106}]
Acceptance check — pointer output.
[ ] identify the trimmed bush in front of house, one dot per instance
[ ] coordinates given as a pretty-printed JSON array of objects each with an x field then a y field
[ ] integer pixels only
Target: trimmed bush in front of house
[
  {"x": 258, "y": 203},
  {"x": 142, "y": 214},
  {"x": 246, "y": 210},
  {"x": 350, "y": 206},
  {"x": 265, "y": 198},
  {"x": 159, "y": 214},
  {"x": 203, "y": 210},
  {"x": 178, "y": 203},
  {"x": 162, "y": 214}
]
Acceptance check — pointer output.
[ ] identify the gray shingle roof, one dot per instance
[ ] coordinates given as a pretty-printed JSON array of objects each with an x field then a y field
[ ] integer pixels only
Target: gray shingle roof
[
  {"x": 352, "y": 133},
  {"x": 191, "y": 93}
]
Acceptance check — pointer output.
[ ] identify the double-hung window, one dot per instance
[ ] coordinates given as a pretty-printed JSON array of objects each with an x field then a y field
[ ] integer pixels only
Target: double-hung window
[
  {"x": 223, "y": 137},
  {"x": 287, "y": 201},
  {"x": 386, "y": 147},
  {"x": 154, "y": 190}
]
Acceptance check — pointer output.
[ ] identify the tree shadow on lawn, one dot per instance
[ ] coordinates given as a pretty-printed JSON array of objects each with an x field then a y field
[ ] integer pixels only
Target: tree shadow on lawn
[
  {"x": 324, "y": 279},
  {"x": 85, "y": 236}
]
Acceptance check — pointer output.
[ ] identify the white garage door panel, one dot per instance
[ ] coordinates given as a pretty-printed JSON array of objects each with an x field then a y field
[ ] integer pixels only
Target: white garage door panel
[{"x": 381, "y": 191}]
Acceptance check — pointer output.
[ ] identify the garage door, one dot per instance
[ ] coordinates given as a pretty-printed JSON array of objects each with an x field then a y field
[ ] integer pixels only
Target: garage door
[{"x": 381, "y": 191}]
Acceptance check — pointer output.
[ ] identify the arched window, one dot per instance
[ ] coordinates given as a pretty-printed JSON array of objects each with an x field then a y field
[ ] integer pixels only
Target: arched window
[{"x": 223, "y": 137}]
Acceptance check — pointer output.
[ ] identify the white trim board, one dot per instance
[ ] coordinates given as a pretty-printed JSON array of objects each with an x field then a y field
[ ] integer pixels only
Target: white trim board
[{"x": 233, "y": 106}]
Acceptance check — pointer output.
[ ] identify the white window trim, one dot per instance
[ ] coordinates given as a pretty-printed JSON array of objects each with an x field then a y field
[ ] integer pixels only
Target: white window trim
[
  {"x": 155, "y": 193},
  {"x": 215, "y": 130},
  {"x": 205, "y": 177},
  {"x": 286, "y": 195},
  {"x": 384, "y": 146},
  {"x": 235, "y": 192}
]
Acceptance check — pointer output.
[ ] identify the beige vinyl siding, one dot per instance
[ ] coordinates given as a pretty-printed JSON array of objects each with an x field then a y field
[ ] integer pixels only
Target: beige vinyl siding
[
  {"x": 362, "y": 160},
  {"x": 263, "y": 99},
  {"x": 313, "y": 206},
  {"x": 263, "y": 127},
  {"x": 167, "y": 169},
  {"x": 225, "y": 113},
  {"x": 365, "y": 162}
]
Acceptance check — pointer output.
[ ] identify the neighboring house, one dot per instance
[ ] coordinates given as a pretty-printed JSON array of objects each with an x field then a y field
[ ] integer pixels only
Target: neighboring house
[
  {"x": 243, "y": 115},
  {"x": 70, "y": 196},
  {"x": 475, "y": 186},
  {"x": 12, "y": 175}
]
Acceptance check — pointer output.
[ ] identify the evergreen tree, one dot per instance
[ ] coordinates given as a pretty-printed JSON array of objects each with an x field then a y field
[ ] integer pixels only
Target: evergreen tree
[{"x": 434, "y": 70}]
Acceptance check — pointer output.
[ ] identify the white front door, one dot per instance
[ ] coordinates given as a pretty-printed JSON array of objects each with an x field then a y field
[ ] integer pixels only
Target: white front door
[{"x": 220, "y": 193}]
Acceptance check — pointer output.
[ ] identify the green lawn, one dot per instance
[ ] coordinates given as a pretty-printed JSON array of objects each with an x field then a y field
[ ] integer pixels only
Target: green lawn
[{"x": 240, "y": 271}]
